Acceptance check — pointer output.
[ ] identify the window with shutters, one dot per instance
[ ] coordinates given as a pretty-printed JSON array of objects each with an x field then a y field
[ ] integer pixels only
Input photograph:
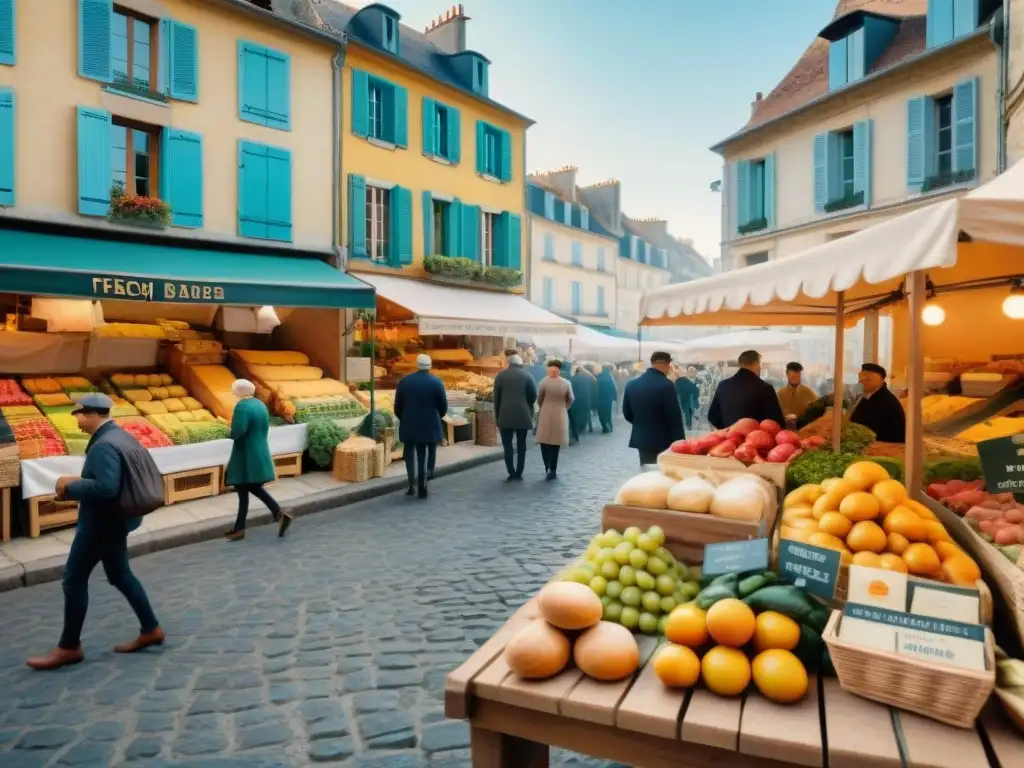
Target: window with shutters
[
  {"x": 441, "y": 210},
  {"x": 549, "y": 247},
  {"x": 600, "y": 260},
  {"x": 378, "y": 224},
  {"x": 601, "y": 311},
  {"x": 577, "y": 253},
  {"x": 377, "y": 111},
  {"x": 134, "y": 52},
  {"x": 576, "y": 302},
  {"x": 264, "y": 87},
  {"x": 752, "y": 179},
  {"x": 549, "y": 293},
  {"x": 488, "y": 238},
  {"x": 441, "y": 130},
  {"x": 390, "y": 36},
  {"x": 942, "y": 136},
  {"x": 134, "y": 158},
  {"x": 842, "y": 168},
  {"x": 492, "y": 141}
]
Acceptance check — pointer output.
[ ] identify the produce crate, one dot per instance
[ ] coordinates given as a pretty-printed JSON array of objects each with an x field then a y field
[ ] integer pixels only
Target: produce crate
[
  {"x": 45, "y": 512},
  {"x": 353, "y": 465},
  {"x": 288, "y": 465},
  {"x": 486, "y": 427},
  {"x": 381, "y": 460},
  {"x": 193, "y": 484},
  {"x": 773, "y": 473},
  {"x": 10, "y": 465},
  {"x": 460, "y": 433},
  {"x": 5, "y": 514}
]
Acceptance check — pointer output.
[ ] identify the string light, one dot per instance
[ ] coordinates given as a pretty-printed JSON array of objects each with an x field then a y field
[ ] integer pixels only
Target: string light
[{"x": 933, "y": 314}]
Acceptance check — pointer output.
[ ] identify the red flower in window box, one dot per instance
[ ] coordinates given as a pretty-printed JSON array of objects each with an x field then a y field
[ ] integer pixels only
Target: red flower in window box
[{"x": 138, "y": 209}]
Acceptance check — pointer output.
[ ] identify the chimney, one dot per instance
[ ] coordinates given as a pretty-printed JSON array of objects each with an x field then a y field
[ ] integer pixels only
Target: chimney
[
  {"x": 448, "y": 31},
  {"x": 604, "y": 200},
  {"x": 564, "y": 180},
  {"x": 655, "y": 229},
  {"x": 755, "y": 104}
]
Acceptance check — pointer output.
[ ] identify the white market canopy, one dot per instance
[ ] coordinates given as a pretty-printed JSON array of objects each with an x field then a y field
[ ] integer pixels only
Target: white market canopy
[
  {"x": 588, "y": 341},
  {"x": 453, "y": 310},
  {"x": 730, "y": 345}
]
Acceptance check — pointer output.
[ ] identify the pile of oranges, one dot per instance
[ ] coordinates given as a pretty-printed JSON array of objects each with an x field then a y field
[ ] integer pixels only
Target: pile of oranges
[
  {"x": 872, "y": 521},
  {"x": 716, "y": 646}
]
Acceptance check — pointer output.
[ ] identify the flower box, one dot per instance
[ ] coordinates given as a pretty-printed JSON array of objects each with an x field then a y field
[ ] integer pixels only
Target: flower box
[
  {"x": 752, "y": 226},
  {"x": 138, "y": 210}
]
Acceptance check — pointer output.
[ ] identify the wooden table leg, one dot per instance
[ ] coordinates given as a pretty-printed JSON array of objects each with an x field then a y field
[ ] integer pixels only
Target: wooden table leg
[{"x": 490, "y": 749}]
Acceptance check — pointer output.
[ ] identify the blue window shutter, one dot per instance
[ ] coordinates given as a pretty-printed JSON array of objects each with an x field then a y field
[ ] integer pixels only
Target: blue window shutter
[
  {"x": 481, "y": 147},
  {"x": 567, "y": 214},
  {"x": 93, "y": 162},
  {"x": 512, "y": 231},
  {"x": 360, "y": 103},
  {"x": 7, "y": 155},
  {"x": 454, "y": 135},
  {"x": 838, "y": 59},
  {"x": 742, "y": 192},
  {"x": 939, "y": 23},
  {"x": 401, "y": 226},
  {"x": 821, "y": 190},
  {"x": 252, "y": 189},
  {"x": 429, "y": 113},
  {"x": 549, "y": 204},
  {"x": 181, "y": 176},
  {"x": 575, "y": 298},
  {"x": 8, "y": 31},
  {"x": 453, "y": 230},
  {"x": 506, "y": 156},
  {"x": 356, "y": 216},
  {"x": 470, "y": 232},
  {"x": 184, "y": 58},
  {"x": 252, "y": 83},
  {"x": 94, "y": 19},
  {"x": 584, "y": 219},
  {"x": 279, "y": 90},
  {"x": 400, "y": 106},
  {"x": 855, "y": 56},
  {"x": 600, "y": 300},
  {"x": 916, "y": 145},
  {"x": 862, "y": 159},
  {"x": 279, "y": 194},
  {"x": 428, "y": 224},
  {"x": 549, "y": 293},
  {"x": 965, "y": 125},
  {"x": 965, "y": 17},
  {"x": 549, "y": 247},
  {"x": 600, "y": 260},
  {"x": 769, "y": 193}
]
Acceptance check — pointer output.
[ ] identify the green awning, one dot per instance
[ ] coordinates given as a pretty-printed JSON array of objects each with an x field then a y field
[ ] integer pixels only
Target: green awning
[{"x": 86, "y": 268}]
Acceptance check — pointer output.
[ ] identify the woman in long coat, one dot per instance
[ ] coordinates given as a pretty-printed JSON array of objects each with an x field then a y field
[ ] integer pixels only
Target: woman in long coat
[
  {"x": 582, "y": 386},
  {"x": 554, "y": 397},
  {"x": 250, "y": 466}
]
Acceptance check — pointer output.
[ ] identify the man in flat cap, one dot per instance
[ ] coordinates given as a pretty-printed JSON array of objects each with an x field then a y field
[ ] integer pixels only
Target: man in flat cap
[{"x": 879, "y": 409}]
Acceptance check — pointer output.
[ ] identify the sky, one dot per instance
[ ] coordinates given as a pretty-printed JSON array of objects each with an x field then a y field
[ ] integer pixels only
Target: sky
[{"x": 636, "y": 90}]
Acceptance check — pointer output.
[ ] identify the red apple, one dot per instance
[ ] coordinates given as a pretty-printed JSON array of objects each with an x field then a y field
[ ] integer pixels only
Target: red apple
[
  {"x": 780, "y": 454},
  {"x": 742, "y": 428},
  {"x": 723, "y": 450},
  {"x": 786, "y": 436},
  {"x": 760, "y": 440},
  {"x": 684, "y": 447},
  {"x": 771, "y": 426},
  {"x": 745, "y": 453}
]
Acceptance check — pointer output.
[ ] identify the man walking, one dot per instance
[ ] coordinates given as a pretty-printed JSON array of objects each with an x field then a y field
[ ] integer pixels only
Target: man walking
[
  {"x": 515, "y": 393},
  {"x": 607, "y": 396},
  {"x": 101, "y": 535},
  {"x": 420, "y": 404},
  {"x": 689, "y": 394},
  {"x": 745, "y": 395},
  {"x": 650, "y": 404}
]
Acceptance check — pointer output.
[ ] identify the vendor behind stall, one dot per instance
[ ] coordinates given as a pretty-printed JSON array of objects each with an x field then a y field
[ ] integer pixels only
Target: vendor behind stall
[
  {"x": 795, "y": 396},
  {"x": 879, "y": 409}
]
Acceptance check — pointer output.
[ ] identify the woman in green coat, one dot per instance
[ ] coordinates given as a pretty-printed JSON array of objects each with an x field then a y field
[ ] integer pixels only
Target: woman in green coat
[{"x": 250, "y": 466}]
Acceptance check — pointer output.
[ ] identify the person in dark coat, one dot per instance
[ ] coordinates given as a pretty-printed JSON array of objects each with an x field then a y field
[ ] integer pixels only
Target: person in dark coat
[
  {"x": 101, "y": 536},
  {"x": 565, "y": 372},
  {"x": 745, "y": 395},
  {"x": 420, "y": 404},
  {"x": 607, "y": 396},
  {"x": 879, "y": 409},
  {"x": 592, "y": 372},
  {"x": 689, "y": 395},
  {"x": 515, "y": 393},
  {"x": 582, "y": 406},
  {"x": 650, "y": 404}
]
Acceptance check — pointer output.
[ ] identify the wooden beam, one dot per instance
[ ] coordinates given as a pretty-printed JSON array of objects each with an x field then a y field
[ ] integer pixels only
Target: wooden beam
[
  {"x": 914, "y": 448},
  {"x": 837, "y": 372}
]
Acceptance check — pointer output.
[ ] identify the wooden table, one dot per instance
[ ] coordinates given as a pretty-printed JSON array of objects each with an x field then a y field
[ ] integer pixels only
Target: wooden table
[{"x": 641, "y": 723}]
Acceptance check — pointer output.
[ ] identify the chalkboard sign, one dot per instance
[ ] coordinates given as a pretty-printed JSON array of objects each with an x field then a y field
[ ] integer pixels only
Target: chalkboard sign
[
  {"x": 735, "y": 557},
  {"x": 813, "y": 569},
  {"x": 1002, "y": 461}
]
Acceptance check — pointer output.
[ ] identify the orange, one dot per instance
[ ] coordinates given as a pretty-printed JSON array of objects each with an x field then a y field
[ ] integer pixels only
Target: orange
[
  {"x": 774, "y": 630},
  {"x": 920, "y": 510},
  {"x": 805, "y": 495},
  {"x": 936, "y": 532},
  {"x": 922, "y": 560},
  {"x": 676, "y": 666},
  {"x": 860, "y": 506},
  {"x": 687, "y": 625},
  {"x": 947, "y": 549},
  {"x": 830, "y": 483},
  {"x": 960, "y": 570},
  {"x": 832, "y": 497},
  {"x": 726, "y": 671},
  {"x": 779, "y": 676},
  {"x": 878, "y": 588},
  {"x": 890, "y": 494},
  {"x": 803, "y": 524},
  {"x": 801, "y": 510},
  {"x": 862, "y": 475},
  {"x": 835, "y": 523},
  {"x": 866, "y": 536},
  {"x": 867, "y": 559},
  {"x": 827, "y": 540},
  {"x": 904, "y": 522},
  {"x": 897, "y": 543},
  {"x": 891, "y": 562},
  {"x": 731, "y": 622},
  {"x": 795, "y": 534}
]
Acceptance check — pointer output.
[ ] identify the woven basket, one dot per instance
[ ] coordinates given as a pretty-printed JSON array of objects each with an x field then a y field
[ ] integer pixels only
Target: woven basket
[
  {"x": 949, "y": 694},
  {"x": 381, "y": 460},
  {"x": 486, "y": 428},
  {"x": 10, "y": 465},
  {"x": 353, "y": 465}
]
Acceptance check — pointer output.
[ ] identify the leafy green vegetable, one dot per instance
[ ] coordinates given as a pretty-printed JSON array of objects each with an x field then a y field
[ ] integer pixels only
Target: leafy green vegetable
[
  {"x": 854, "y": 438},
  {"x": 952, "y": 469},
  {"x": 381, "y": 420},
  {"x": 323, "y": 436}
]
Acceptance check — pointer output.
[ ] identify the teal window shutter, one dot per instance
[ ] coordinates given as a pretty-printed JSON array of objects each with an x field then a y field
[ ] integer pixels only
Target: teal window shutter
[
  {"x": 965, "y": 125},
  {"x": 549, "y": 247},
  {"x": 600, "y": 260},
  {"x": 821, "y": 174},
  {"x": 506, "y": 156},
  {"x": 600, "y": 300},
  {"x": 94, "y": 179},
  {"x": 252, "y": 190},
  {"x": 584, "y": 219},
  {"x": 939, "y": 23},
  {"x": 837, "y": 64},
  {"x": 481, "y": 146},
  {"x": 279, "y": 91},
  {"x": 965, "y": 17},
  {"x": 742, "y": 192},
  {"x": 916, "y": 144},
  {"x": 768, "y": 201},
  {"x": 549, "y": 205},
  {"x": 862, "y": 159},
  {"x": 453, "y": 229},
  {"x": 549, "y": 293},
  {"x": 356, "y": 216},
  {"x": 400, "y": 110},
  {"x": 184, "y": 58},
  {"x": 575, "y": 297},
  {"x": 428, "y": 224},
  {"x": 470, "y": 232},
  {"x": 855, "y": 56},
  {"x": 94, "y": 20},
  {"x": 429, "y": 115},
  {"x": 401, "y": 226},
  {"x": 454, "y": 135},
  {"x": 577, "y": 254},
  {"x": 264, "y": 86},
  {"x": 8, "y": 31},
  {"x": 567, "y": 214},
  {"x": 279, "y": 194},
  {"x": 512, "y": 232},
  {"x": 181, "y": 176},
  {"x": 360, "y": 103},
  {"x": 7, "y": 155}
]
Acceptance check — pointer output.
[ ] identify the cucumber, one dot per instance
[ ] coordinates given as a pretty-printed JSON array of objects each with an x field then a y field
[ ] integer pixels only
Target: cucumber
[
  {"x": 809, "y": 649},
  {"x": 720, "y": 589},
  {"x": 751, "y": 584},
  {"x": 786, "y": 599}
]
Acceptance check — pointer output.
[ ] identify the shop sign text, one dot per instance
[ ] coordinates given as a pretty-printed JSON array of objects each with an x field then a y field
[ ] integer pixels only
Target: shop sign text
[{"x": 155, "y": 290}]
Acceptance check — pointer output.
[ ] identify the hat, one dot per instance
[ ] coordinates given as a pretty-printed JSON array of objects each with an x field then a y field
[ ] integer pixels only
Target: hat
[
  {"x": 874, "y": 368},
  {"x": 515, "y": 360},
  {"x": 94, "y": 401},
  {"x": 423, "y": 363},
  {"x": 243, "y": 388}
]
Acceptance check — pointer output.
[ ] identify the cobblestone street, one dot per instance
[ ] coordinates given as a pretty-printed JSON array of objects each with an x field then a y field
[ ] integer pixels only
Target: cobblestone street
[{"x": 329, "y": 646}]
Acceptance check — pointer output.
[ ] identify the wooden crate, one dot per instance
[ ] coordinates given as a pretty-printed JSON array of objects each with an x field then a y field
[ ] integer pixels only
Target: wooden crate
[
  {"x": 5, "y": 514},
  {"x": 288, "y": 465},
  {"x": 773, "y": 473},
  {"x": 45, "y": 512},
  {"x": 192, "y": 484},
  {"x": 450, "y": 430}
]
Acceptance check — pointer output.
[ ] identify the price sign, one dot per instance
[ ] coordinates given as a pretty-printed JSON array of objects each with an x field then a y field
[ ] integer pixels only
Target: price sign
[
  {"x": 735, "y": 557},
  {"x": 1002, "y": 461},
  {"x": 813, "y": 569},
  {"x": 910, "y": 621}
]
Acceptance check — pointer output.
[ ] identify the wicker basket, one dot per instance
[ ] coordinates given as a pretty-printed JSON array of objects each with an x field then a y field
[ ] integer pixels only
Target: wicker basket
[
  {"x": 354, "y": 464},
  {"x": 949, "y": 694},
  {"x": 486, "y": 427},
  {"x": 10, "y": 465},
  {"x": 381, "y": 460}
]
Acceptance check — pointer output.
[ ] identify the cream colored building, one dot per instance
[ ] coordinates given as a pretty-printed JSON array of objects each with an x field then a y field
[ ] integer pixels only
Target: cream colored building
[
  {"x": 894, "y": 105},
  {"x": 1013, "y": 81}
]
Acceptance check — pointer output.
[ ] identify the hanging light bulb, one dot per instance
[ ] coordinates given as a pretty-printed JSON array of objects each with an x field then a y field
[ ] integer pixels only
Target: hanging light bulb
[
  {"x": 933, "y": 314},
  {"x": 1013, "y": 306}
]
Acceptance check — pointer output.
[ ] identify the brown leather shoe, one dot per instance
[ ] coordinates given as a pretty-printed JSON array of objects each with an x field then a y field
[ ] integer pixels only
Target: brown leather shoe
[
  {"x": 144, "y": 640},
  {"x": 57, "y": 658},
  {"x": 235, "y": 535}
]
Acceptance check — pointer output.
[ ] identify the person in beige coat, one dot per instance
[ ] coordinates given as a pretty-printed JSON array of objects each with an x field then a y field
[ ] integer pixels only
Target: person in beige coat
[{"x": 554, "y": 396}]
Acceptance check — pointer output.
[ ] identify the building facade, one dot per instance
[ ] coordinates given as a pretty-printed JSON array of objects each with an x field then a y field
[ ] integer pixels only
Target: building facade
[
  {"x": 1012, "y": 86},
  {"x": 895, "y": 105}
]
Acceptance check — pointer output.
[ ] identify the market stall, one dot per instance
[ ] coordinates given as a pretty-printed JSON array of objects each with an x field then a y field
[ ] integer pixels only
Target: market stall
[{"x": 774, "y": 346}]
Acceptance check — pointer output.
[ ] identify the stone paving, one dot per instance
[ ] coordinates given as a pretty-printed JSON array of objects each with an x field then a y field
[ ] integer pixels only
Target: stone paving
[{"x": 330, "y": 646}]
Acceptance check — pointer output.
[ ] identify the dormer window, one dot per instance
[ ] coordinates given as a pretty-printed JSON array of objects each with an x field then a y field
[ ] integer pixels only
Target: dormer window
[
  {"x": 855, "y": 43},
  {"x": 846, "y": 60},
  {"x": 949, "y": 20},
  {"x": 480, "y": 77},
  {"x": 389, "y": 35}
]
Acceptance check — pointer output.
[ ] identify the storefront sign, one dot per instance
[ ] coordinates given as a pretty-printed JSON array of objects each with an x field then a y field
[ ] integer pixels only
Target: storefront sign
[
  {"x": 155, "y": 290},
  {"x": 735, "y": 557},
  {"x": 813, "y": 569},
  {"x": 438, "y": 326},
  {"x": 1002, "y": 461}
]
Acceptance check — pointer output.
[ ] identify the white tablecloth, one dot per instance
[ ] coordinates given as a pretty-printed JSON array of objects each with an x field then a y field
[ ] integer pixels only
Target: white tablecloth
[{"x": 39, "y": 476}]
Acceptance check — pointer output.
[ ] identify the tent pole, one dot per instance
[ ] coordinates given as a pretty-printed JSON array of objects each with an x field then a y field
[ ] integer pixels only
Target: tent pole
[
  {"x": 915, "y": 384},
  {"x": 837, "y": 372},
  {"x": 871, "y": 336},
  {"x": 373, "y": 381}
]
